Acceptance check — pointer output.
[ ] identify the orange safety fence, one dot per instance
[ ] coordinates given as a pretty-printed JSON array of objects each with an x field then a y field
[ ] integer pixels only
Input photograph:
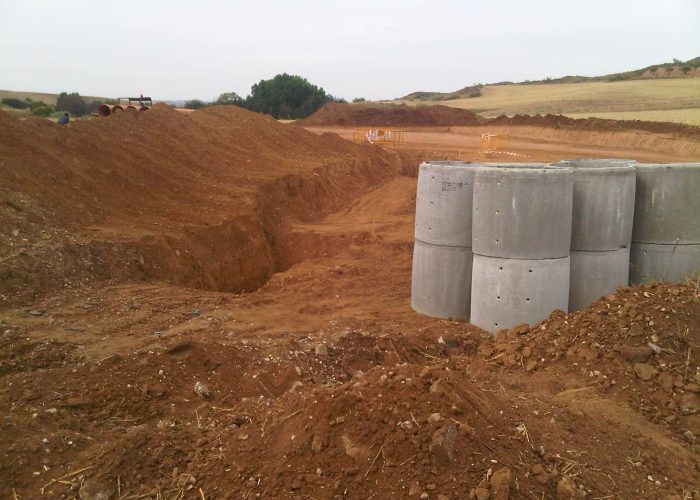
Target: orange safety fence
[{"x": 393, "y": 138}]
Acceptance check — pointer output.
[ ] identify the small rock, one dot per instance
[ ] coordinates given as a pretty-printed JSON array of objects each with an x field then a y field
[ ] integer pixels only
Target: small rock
[
  {"x": 692, "y": 388},
  {"x": 689, "y": 436},
  {"x": 531, "y": 365},
  {"x": 321, "y": 350},
  {"x": 500, "y": 483},
  {"x": 424, "y": 495},
  {"x": 482, "y": 493},
  {"x": 690, "y": 403},
  {"x": 638, "y": 354},
  {"x": 527, "y": 351},
  {"x": 434, "y": 418},
  {"x": 414, "y": 490},
  {"x": 431, "y": 487},
  {"x": 442, "y": 444},
  {"x": 644, "y": 371},
  {"x": 52, "y": 411},
  {"x": 442, "y": 497},
  {"x": 201, "y": 390}
]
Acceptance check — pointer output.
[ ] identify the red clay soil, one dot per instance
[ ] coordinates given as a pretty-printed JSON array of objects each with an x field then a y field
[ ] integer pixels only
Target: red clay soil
[
  {"x": 133, "y": 366},
  {"x": 365, "y": 115},
  {"x": 438, "y": 115}
]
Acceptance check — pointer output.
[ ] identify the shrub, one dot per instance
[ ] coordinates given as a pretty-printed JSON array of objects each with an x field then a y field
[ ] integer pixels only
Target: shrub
[
  {"x": 195, "y": 104},
  {"x": 15, "y": 103},
  {"x": 43, "y": 110},
  {"x": 358, "y": 99}
]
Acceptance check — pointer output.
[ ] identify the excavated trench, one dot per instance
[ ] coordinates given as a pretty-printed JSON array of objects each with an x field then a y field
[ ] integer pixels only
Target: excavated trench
[{"x": 239, "y": 254}]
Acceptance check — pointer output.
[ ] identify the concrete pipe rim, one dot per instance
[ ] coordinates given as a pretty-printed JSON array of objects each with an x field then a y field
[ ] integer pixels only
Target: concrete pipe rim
[
  {"x": 590, "y": 165},
  {"x": 649, "y": 167},
  {"x": 450, "y": 164},
  {"x": 524, "y": 169}
]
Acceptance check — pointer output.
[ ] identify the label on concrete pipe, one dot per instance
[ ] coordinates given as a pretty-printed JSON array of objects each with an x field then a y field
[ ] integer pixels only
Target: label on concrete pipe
[
  {"x": 596, "y": 274},
  {"x": 667, "y": 204},
  {"x": 444, "y": 203},
  {"x": 441, "y": 280},
  {"x": 522, "y": 212},
  {"x": 507, "y": 292},
  {"x": 673, "y": 263},
  {"x": 603, "y": 203}
]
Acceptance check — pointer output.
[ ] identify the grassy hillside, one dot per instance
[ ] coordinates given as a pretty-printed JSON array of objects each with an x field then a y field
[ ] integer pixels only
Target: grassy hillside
[{"x": 675, "y": 100}]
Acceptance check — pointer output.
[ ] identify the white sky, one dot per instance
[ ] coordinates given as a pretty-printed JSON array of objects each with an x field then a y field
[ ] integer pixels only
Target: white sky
[{"x": 176, "y": 49}]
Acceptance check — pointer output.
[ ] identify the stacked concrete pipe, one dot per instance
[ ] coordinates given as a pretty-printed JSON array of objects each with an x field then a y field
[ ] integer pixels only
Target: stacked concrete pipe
[
  {"x": 521, "y": 240},
  {"x": 442, "y": 254},
  {"x": 666, "y": 235},
  {"x": 601, "y": 234}
]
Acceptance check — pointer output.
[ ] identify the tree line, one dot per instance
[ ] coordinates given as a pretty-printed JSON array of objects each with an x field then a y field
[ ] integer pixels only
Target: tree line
[
  {"x": 72, "y": 103},
  {"x": 284, "y": 96}
]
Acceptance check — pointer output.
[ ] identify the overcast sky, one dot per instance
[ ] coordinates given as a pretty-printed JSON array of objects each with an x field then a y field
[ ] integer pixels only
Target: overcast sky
[{"x": 378, "y": 49}]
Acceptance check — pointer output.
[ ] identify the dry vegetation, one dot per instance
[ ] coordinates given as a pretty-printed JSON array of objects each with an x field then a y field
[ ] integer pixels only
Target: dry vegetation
[{"x": 674, "y": 100}]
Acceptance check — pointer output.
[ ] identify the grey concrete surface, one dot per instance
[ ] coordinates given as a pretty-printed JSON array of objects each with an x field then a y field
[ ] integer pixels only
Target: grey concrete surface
[
  {"x": 522, "y": 212},
  {"x": 649, "y": 261},
  {"x": 507, "y": 292},
  {"x": 603, "y": 203},
  {"x": 444, "y": 203},
  {"x": 596, "y": 274},
  {"x": 667, "y": 205},
  {"x": 441, "y": 280}
]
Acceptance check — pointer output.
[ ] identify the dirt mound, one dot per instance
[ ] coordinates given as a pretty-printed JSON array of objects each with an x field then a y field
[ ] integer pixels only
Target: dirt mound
[
  {"x": 194, "y": 199},
  {"x": 390, "y": 115},
  {"x": 356, "y": 414},
  {"x": 425, "y": 116}
]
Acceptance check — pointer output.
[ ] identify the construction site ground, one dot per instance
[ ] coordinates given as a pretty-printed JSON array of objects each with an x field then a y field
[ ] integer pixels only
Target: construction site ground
[{"x": 217, "y": 305}]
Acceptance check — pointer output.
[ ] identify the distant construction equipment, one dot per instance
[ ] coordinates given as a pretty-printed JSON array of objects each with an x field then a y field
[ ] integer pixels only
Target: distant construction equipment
[{"x": 125, "y": 104}]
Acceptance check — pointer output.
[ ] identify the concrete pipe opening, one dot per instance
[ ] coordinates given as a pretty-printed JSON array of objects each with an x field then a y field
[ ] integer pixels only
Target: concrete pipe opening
[
  {"x": 117, "y": 109},
  {"x": 522, "y": 211},
  {"x": 667, "y": 205},
  {"x": 603, "y": 203},
  {"x": 131, "y": 107},
  {"x": 144, "y": 108}
]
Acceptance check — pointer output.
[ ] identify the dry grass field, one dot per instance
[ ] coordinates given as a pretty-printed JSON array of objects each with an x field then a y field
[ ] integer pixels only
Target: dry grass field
[
  {"x": 674, "y": 100},
  {"x": 39, "y": 96}
]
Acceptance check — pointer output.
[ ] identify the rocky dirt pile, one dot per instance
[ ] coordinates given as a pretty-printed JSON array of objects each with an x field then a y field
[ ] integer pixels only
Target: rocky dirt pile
[
  {"x": 578, "y": 407},
  {"x": 371, "y": 115}
]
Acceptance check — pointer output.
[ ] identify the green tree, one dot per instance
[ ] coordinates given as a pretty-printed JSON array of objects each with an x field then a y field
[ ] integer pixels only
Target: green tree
[
  {"x": 43, "y": 110},
  {"x": 286, "y": 96},
  {"x": 230, "y": 98},
  {"x": 72, "y": 103},
  {"x": 195, "y": 104}
]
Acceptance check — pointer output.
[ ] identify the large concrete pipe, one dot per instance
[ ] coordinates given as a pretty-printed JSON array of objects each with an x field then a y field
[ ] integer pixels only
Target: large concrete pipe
[
  {"x": 117, "y": 109},
  {"x": 602, "y": 215},
  {"x": 521, "y": 238},
  {"x": 674, "y": 263},
  {"x": 442, "y": 256},
  {"x": 522, "y": 212},
  {"x": 603, "y": 203},
  {"x": 596, "y": 274},
  {"x": 444, "y": 203},
  {"x": 441, "y": 280},
  {"x": 507, "y": 292},
  {"x": 667, "y": 205},
  {"x": 144, "y": 108}
]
